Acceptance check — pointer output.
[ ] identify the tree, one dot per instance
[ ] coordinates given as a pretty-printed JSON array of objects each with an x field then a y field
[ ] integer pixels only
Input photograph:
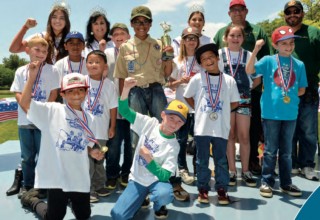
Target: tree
[
  {"x": 13, "y": 62},
  {"x": 6, "y": 77}
]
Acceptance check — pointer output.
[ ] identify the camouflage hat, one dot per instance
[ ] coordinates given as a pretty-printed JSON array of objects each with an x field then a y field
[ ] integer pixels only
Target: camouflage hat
[
  {"x": 119, "y": 25},
  {"x": 141, "y": 11}
]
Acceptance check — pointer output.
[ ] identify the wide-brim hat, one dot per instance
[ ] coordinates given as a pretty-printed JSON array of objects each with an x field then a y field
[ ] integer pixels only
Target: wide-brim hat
[{"x": 204, "y": 48}]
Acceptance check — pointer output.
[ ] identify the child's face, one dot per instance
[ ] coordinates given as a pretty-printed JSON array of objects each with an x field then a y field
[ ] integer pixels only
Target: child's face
[
  {"x": 74, "y": 47},
  {"x": 209, "y": 61},
  {"x": 119, "y": 36},
  {"x": 99, "y": 28},
  {"x": 191, "y": 42},
  {"x": 141, "y": 27},
  {"x": 170, "y": 123},
  {"x": 74, "y": 97},
  {"x": 235, "y": 38},
  {"x": 285, "y": 47},
  {"x": 96, "y": 66},
  {"x": 196, "y": 21},
  {"x": 58, "y": 21},
  {"x": 38, "y": 52}
]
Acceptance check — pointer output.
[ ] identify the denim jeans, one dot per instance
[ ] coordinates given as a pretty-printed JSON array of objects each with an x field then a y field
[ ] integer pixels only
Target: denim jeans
[
  {"x": 306, "y": 134},
  {"x": 219, "y": 151},
  {"x": 131, "y": 199},
  {"x": 30, "y": 146},
  {"x": 113, "y": 155},
  {"x": 278, "y": 136}
]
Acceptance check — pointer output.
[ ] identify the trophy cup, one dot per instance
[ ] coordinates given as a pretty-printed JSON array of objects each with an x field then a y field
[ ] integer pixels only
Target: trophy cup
[{"x": 166, "y": 41}]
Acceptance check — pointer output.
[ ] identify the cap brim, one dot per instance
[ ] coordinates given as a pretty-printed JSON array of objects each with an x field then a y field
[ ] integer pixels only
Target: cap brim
[
  {"x": 288, "y": 37},
  {"x": 142, "y": 15},
  {"x": 171, "y": 112},
  {"x": 73, "y": 87}
]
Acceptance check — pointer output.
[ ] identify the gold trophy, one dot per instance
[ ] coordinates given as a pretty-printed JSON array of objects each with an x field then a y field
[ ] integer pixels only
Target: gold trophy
[
  {"x": 104, "y": 149},
  {"x": 166, "y": 41}
]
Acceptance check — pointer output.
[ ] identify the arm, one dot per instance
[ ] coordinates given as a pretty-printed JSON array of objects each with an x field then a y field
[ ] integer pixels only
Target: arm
[
  {"x": 18, "y": 44},
  {"x": 113, "y": 119},
  {"x": 53, "y": 95},
  {"x": 95, "y": 153},
  {"x": 190, "y": 101},
  {"x": 301, "y": 91},
  {"x": 234, "y": 105},
  {"x": 173, "y": 83},
  {"x": 124, "y": 109},
  {"x": 250, "y": 64}
]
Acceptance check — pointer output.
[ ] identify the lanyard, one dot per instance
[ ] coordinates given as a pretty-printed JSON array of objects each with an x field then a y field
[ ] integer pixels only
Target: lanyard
[
  {"x": 213, "y": 100},
  {"x": 283, "y": 82},
  {"x": 80, "y": 66},
  {"x": 96, "y": 97},
  {"x": 234, "y": 72},
  {"x": 36, "y": 83},
  {"x": 189, "y": 67}
]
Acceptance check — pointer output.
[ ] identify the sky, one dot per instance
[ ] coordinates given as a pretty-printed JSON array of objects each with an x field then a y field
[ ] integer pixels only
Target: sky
[{"x": 13, "y": 14}]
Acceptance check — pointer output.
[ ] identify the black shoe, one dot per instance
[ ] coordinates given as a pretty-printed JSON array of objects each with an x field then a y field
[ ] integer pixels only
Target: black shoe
[
  {"x": 23, "y": 190},
  {"x": 42, "y": 193},
  {"x": 16, "y": 185},
  {"x": 162, "y": 213},
  {"x": 124, "y": 180},
  {"x": 30, "y": 198},
  {"x": 146, "y": 203}
]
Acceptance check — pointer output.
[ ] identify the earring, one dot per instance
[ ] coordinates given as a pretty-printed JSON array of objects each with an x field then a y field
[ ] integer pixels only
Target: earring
[{"x": 91, "y": 33}]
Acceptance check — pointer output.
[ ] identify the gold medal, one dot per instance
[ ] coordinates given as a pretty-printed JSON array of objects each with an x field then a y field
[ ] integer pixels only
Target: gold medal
[
  {"x": 104, "y": 149},
  {"x": 286, "y": 99}
]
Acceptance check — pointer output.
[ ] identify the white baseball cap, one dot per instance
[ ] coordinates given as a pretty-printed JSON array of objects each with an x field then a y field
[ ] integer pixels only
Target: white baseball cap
[{"x": 73, "y": 80}]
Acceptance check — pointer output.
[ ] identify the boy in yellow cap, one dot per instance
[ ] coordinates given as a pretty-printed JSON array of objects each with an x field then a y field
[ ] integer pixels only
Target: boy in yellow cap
[{"x": 155, "y": 157}]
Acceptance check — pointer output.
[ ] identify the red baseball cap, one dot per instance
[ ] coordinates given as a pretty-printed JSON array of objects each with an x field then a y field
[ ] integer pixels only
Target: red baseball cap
[
  {"x": 282, "y": 33},
  {"x": 237, "y": 2}
]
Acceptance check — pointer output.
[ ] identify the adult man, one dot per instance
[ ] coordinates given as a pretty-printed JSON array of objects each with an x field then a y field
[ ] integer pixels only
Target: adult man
[
  {"x": 307, "y": 49},
  {"x": 238, "y": 12}
]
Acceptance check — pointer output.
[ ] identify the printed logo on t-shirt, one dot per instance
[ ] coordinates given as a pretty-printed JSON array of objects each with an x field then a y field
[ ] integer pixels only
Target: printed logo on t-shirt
[
  {"x": 97, "y": 109},
  {"x": 152, "y": 146}
]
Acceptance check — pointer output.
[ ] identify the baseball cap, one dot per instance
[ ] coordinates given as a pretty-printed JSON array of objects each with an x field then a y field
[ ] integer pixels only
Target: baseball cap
[
  {"x": 282, "y": 33},
  {"x": 237, "y": 2},
  {"x": 293, "y": 3},
  {"x": 190, "y": 31},
  {"x": 141, "y": 11},
  {"x": 119, "y": 25},
  {"x": 74, "y": 35},
  {"x": 204, "y": 48},
  {"x": 176, "y": 107},
  {"x": 73, "y": 80}
]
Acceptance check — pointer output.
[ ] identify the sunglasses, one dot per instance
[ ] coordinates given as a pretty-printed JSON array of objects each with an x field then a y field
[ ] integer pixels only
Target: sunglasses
[
  {"x": 142, "y": 23},
  {"x": 290, "y": 12},
  {"x": 190, "y": 38}
]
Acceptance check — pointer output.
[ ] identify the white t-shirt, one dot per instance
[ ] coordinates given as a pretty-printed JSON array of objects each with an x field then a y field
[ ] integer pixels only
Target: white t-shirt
[
  {"x": 197, "y": 89},
  {"x": 65, "y": 67},
  {"x": 49, "y": 80},
  {"x": 108, "y": 99},
  {"x": 94, "y": 46},
  {"x": 176, "y": 43},
  {"x": 63, "y": 161},
  {"x": 183, "y": 69},
  {"x": 164, "y": 151}
]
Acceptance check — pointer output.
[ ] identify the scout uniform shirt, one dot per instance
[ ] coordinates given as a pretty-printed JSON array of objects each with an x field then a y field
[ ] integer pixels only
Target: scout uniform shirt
[{"x": 140, "y": 60}]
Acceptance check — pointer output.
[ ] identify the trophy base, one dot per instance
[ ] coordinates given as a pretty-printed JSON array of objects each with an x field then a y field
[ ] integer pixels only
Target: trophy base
[{"x": 167, "y": 56}]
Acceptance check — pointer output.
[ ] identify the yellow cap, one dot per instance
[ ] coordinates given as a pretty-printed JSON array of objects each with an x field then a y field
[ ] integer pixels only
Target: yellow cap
[{"x": 178, "y": 108}]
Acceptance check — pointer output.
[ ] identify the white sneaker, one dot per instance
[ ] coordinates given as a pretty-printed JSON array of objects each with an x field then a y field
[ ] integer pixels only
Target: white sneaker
[
  {"x": 295, "y": 171},
  {"x": 309, "y": 173},
  {"x": 185, "y": 177}
]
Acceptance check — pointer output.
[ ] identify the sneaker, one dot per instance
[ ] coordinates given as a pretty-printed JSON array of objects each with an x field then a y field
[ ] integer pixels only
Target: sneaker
[
  {"x": 124, "y": 180},
  {"x": 233, "y": 179},
  {"x": 184, "y": 174},
  {"x": 179, "y": 193},
  {"x": 103, "y": 192},
  {"x": 162, "y": 213},
  {"x": 29, "y": 198},
  {"x": 265, "y": 190},
  {"x": 203, "y": 196},
  {"x": 295, "y": 171},
  {"x": 23, "y": 190},
  {"x": 94, "y": 197},
  {"x": 309, "y": 173},
  {"x": 291, "y": 189},
  {"x": 111, "y": 183},
  {"x": 248, "y": 179},
  {"x": 255, "y": 168},
  {"x": 223, "y": 198},
  {"x": 146, "y": 203}
]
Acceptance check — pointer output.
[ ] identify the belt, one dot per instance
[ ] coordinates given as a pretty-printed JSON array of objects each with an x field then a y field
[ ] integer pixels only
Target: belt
[{"x": 149, "y": 85}]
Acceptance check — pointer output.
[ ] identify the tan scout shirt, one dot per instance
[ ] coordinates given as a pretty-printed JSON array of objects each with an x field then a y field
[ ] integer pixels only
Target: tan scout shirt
[{"x": 140, "y": 60}]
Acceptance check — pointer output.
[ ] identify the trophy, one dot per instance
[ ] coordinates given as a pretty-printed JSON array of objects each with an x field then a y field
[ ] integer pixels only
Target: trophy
[{"x": 166, "y": 41}]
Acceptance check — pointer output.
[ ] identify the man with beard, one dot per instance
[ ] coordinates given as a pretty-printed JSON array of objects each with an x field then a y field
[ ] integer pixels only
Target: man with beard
[{"x": 307, "y": 49}]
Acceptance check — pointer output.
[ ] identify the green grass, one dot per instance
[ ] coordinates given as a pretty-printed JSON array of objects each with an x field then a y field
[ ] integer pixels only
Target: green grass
[{"x": 8, "y": 131}]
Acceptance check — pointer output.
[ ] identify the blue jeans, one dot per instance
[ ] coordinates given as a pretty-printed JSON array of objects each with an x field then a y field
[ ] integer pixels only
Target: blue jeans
[
  {"x": 113, "y": 155},
  {"x": 131, "y": 199},
  {"x": 306, "y": 134},
  {"x": 278, "y": 136},
  {"x": 30, "y": 146},
  {"x": 219, "y": 151}
]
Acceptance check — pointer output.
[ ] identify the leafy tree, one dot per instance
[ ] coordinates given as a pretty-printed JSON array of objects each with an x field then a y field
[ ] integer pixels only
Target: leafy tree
[
  {"x": 13, "y": 62},
  {"x": 6, "y": 76}
]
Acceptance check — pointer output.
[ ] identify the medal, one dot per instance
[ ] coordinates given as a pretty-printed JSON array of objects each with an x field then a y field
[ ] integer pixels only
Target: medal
[
  {"x": 286, "y": 99},
  {"x": 213, "y": 116},
  {"x": 104, "y": 149}
]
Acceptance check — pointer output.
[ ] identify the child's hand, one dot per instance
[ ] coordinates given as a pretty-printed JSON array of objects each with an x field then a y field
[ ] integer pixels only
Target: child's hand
[
  {"x": 112, "y": 132},
  {"x": 30, "y": 23},
  {"x": 96, "y": 154},
  {"x": 33, "y": 69},
  {"x": 185, "y": 79},
  {"x": 102, "y": 45},
  {"x": 130, "y": 82},
  {"x": 259, "y": 44},
  {"x": 145, "y": 153},
  {"x": 168, "y": 49}
]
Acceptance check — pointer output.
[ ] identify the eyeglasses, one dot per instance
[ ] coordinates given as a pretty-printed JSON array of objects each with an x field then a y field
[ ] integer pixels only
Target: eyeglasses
[
  {"x": 241, "y": 9},
  {"x": 142, "y": 23},
  {"x": 290, "y": 12},
  {"x": 190, "y": 39}
]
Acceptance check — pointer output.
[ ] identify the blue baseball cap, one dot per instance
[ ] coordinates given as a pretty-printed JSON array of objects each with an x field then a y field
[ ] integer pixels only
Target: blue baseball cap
[{"x": 74, "y": 35}]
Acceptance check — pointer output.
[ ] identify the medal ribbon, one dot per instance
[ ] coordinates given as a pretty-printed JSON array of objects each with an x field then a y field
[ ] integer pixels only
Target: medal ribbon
[
  {"x": 35, "y": 84},
  {"x": 84, "y": 124},
  {"x": 91, "y": 106},
  {"x": 188, "y": 70},
  {"x": 116, "y": 52},
  {"x": 80, "y": 66},
  {"x": 280, "y": 74},
  {"x": 213, "y": 101},
  {"x": 234, "y": 72}
]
